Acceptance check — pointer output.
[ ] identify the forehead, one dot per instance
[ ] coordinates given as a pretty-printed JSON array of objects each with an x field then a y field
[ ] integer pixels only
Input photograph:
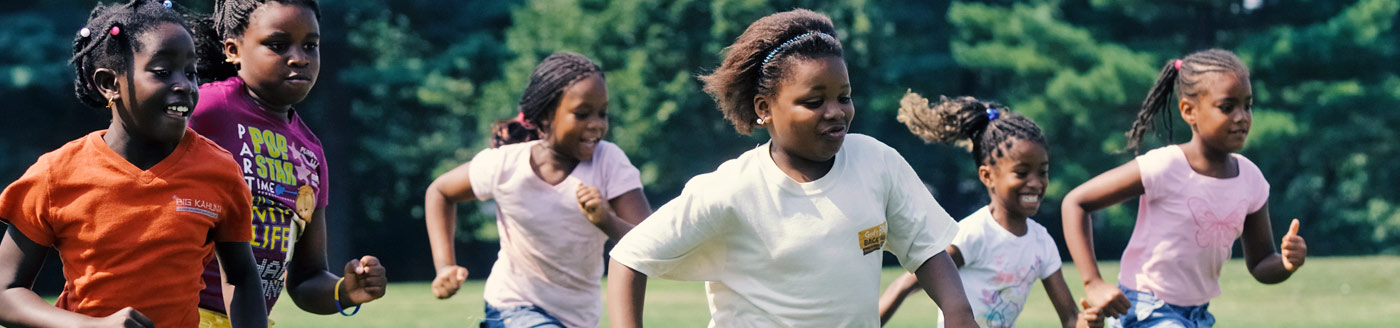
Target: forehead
[
  {"x": 272, "y": 17},
  {"x": 166, "y": 39},
  {"x": 589, "y": 88},
  {"x": 1217, "y": 85},
  {"x": 1022, "y": 151},
  {"x": 808, "y": 73}
]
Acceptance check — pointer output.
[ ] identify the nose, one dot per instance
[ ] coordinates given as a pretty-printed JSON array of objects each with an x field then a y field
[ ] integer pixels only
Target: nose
[
  {"x": 298, "y": 58},
  {"x": 835, "y": 110},
  {"x": 183, "y": 85}
]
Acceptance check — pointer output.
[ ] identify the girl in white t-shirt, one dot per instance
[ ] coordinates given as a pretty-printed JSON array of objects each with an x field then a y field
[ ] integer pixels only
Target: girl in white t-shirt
[
  {"x": 560, "y": 191},
  {"x": 790, "y": 234},
  {"x": 1000, "y": 252},
  {"x": 1194, "y": 200}
]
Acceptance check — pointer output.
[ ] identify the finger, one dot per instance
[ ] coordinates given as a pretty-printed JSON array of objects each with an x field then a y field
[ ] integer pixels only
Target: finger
[
  {"x": 1293, "y": 228},
  {"x": 351, "y": 268},
  {"x": 1085, "y": 304},
  {"x": 141, "y": 319},
  {"x": 461, "y": 273}
]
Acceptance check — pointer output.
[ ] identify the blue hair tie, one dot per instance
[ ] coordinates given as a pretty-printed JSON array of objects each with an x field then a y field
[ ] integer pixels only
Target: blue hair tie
[
  {"x": 167, "y": 4},
  {"x": 789, "y": 42},
  {"x": 993, "y": 113}
]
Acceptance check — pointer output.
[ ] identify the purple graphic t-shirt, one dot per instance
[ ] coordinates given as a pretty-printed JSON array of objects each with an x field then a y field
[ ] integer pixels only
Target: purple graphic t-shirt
[{"x": 277, "y": 159}]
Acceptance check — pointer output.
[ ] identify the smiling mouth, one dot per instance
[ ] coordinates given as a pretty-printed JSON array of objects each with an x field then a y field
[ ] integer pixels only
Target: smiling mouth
[
  {"x": 178, "y": 110},
  {"x": 1030, "y": 198},
  {"x": 835, "y": 131}
]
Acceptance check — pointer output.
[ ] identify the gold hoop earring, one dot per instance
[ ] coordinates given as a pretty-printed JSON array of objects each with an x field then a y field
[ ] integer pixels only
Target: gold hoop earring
[{"x": 111, "y": 103}]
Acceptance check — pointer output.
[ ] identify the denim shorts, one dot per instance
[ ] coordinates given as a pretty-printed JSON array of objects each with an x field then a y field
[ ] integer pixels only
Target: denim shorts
[
  {"x": 524, "y": 316},
  {"x": 1149, "y": 311}
]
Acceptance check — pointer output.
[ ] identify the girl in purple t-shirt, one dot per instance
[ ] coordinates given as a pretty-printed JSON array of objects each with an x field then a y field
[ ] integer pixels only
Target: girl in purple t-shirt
[
  {"x": 560, "y": 192},
  {"x": 1195, "y": 199},
  {"x": 263, "y": 57}
]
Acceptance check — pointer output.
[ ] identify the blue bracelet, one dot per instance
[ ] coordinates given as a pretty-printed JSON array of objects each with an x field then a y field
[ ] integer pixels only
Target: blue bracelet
[{"x": 338, "y": 308}]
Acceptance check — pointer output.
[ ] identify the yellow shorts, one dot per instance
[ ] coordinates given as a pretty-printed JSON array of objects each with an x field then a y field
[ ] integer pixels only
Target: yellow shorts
[{"x": 211, "y": 319}]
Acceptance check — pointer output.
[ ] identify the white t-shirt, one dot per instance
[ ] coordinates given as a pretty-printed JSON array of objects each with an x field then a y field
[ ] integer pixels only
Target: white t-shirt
[
  {"x": 551, "y": 256},
  {"x": 999, "y": 268},
  {"x": 779, "y": 253}
]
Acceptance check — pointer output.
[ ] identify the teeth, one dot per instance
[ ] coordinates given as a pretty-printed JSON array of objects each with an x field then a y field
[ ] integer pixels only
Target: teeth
[
  {"x": 178, "y": 109},
  {"x": 1029, "y": 199}
]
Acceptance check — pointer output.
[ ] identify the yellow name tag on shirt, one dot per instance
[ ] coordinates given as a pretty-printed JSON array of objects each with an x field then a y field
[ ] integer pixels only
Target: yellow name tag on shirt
[{"x": 873, "y": 239}]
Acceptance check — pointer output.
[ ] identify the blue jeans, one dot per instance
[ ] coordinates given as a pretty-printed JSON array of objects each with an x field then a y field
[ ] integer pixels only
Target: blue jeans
[
  {"x": 518, "y": 317},
  {"x": 1148, "y": 311}
]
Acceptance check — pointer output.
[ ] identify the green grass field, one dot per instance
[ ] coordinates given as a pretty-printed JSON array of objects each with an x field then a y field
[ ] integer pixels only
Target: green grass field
[{"x": 1328, "y": 292}]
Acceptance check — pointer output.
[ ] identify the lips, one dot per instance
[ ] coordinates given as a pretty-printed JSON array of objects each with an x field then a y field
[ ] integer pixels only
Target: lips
[
  {"x": 835, "y": 132},
  {"x": 178, "y": 110}
]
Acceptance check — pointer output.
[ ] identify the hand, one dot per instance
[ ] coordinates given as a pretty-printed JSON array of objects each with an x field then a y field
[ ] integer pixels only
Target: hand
[
  {"x": 449, "y": 279},
  {"x": 591, "y": 202},
  {"x": 1107, "y": 298},
  {"x": 364, "y": 280},
  {"x": 1293, "y": 248},
  {"x": 127, "y": 317},
  {"x": 1090, "y": 318}
]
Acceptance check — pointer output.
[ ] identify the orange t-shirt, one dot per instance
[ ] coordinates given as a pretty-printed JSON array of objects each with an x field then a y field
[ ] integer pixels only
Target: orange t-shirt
[{"x": 129, "y": 237}]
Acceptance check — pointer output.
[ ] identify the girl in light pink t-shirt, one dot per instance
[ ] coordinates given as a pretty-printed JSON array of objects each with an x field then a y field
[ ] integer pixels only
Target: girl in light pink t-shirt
[
  {"x": 560, "y": 192},
  {"x": 1195, "y": 199}
]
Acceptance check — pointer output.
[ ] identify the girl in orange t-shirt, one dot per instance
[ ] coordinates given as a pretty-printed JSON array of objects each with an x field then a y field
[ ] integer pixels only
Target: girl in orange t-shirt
[{"x": 134, "y": 211}]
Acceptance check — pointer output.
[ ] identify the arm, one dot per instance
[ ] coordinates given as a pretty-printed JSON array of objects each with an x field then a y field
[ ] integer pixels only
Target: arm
[
  {"x": 20, "y": 259},
  {"x": 939, "y": 278},
  {"x": 1061, "y": 298},
  {"x": 312, "y": 285},
  {"x": 1266, "y": 265},
  {"x": 246, "y": 309},
  {"x": 907, "y": 283},
  {"x": 627, "y": 290},
  {"x": 440, "y": 211},
  {"x": 1112, "y": 187},
  {"x": 608, "y": 216}
]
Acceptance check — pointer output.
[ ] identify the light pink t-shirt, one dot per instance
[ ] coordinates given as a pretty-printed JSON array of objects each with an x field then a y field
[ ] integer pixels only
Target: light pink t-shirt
[
  {"x": 1186, "y": 225},
  {"x": 551, "y": 256}
]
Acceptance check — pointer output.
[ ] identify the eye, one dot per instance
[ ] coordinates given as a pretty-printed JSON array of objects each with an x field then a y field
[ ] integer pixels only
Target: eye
[
  {"x": 161, "y": 72},
  {"x": 310, "y": 46},
  {"x": 812, "y": 104},
  {"x": 844, "y": 99},
  {"x": 276, "y": 46}
]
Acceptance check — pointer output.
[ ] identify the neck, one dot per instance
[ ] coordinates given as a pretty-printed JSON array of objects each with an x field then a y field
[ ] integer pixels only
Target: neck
[
  {"x": 283, "y": 112},
  {"x": 1208, "y": 161},
  {"x": 549, "y": 163},
  {"x": 144, "y": 154},
  {"x": 798, "y": 168},
  {"x": 1013, "y": 223}
]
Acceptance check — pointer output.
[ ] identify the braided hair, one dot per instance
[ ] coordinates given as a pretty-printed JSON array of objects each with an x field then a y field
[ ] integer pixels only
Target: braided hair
[
  {"x": 760, "y": 57},
  {"x": 968, "y": 122},
  {"x": 1185, "y": 76},
  {"x": 110, "y": 38},
  {"x": 229, "y": 20},
  {"x": 554, "y": 74}
]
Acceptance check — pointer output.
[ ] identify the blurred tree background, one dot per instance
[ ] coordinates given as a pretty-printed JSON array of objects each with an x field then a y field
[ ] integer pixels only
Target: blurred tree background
[{"x": 408, "y": 89}]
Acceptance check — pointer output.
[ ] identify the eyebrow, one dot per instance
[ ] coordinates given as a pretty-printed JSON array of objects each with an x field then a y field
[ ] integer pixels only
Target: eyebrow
[
  {"x": 281, "y": 34},
  {"x": 823, "y": 87}
]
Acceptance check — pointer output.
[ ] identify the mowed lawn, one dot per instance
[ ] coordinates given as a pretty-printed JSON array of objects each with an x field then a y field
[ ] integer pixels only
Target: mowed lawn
[{"x": 1329, "y": 292}]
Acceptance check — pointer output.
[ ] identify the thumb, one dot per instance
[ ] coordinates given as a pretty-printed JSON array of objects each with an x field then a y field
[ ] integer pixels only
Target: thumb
[
  {"x": 461, "y": 273},
  {"x": 352, "y": 268},
  {"x": 1084, "y": 304},
  {"x": 366, "y": 262},
  {"x": 1293, "y": 228}
]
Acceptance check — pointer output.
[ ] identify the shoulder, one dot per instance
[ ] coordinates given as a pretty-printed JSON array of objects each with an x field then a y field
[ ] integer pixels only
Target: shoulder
[
  {"x": 1039, "y": 230},
  {"x": 69, "y": 152},
  {"x": 860, "y": 144},
  {"x": 218, "y": 92},
  {"x": 209, "y": 153},
  {"x": 610, "y": 151},
  {"x": 1247, "y": 167}
]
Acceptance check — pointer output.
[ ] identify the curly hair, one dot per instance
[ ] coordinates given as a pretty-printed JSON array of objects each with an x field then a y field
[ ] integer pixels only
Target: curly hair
[
  {"x": 967, "y": 122},
  {"x": 760, "y": 57},
  {"x": 1186, "y": 80},
  {"x": 96, "y": 47}
]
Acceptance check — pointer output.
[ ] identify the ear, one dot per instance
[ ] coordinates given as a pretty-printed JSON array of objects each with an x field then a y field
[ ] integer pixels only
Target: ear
[
  {"x": 984, "y": 173},
  {"x": 231, "y": 50},
  {"x": 1188, "y": 111},
  {"x": 761, "y": 107},
  {"x": 106, "y": 80}
]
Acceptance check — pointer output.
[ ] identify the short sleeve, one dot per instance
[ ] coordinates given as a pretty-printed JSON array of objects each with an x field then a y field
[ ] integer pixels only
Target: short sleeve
[
  {"x": 969, "y": 246},
  {"x": 1152, "y": 167},
  {"x": 484, "y": 170},
  {"x": 1051, "y": 253},
  {"x": 237, "y": 223},
  {"x": 622, "y": 177},
  {"x": 25, "y": 205},
  {"x": 323, "y": 198},
  {"x": 1258, "y": 185},
  {"x": 919, "y": 227},
  {"x": 678, "y": 242}
]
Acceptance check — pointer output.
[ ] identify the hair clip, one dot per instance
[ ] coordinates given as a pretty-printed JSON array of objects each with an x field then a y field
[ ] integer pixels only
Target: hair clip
[
  {"x": 167, "y": 4},
  {"x": 993, "y": 113},
  {"x": 1178, "y": 64},
  {"x": 115, "y": 30},
  {"x": 85, "y": 32},
  {"x": 789, "y": 43}
]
